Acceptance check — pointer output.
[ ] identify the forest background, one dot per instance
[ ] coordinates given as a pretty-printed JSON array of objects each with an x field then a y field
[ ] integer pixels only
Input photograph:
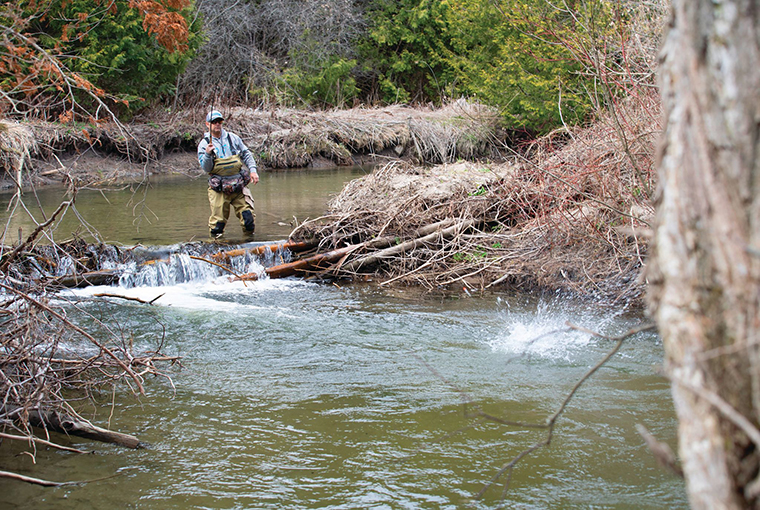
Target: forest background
[{"x": 541, "y": 64}]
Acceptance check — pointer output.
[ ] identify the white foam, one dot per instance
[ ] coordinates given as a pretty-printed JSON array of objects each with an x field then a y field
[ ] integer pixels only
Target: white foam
[
  {"x": 543, "y": 332},
  {"x": 196, "y": 295}
]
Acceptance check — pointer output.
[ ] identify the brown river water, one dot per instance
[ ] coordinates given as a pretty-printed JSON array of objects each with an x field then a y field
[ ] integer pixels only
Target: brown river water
[{"x": 298, "y": 395}]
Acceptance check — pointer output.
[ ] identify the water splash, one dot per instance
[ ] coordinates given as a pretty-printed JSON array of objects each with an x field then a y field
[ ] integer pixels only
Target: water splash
[{"x": 546, "y": 333}]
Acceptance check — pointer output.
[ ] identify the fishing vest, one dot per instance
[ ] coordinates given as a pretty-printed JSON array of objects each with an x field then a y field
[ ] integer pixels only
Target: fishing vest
[{"x": 228, "y": 166}]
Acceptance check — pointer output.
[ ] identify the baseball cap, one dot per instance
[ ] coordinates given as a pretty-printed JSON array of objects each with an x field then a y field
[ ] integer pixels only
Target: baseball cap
[{"x": 214, "y": 115}]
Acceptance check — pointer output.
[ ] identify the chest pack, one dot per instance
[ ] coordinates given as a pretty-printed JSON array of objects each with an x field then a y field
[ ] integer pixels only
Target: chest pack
[{"x": 228, "y": 166}]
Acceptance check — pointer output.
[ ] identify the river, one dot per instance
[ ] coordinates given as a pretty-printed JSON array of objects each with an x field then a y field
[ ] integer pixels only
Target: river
[{"x": 296, "y": 394}]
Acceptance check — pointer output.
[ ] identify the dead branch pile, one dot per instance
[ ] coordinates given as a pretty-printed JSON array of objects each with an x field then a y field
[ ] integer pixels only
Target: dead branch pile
[
  {"x": 572, "y": 216},
  {"x": 49, "y": 363}
]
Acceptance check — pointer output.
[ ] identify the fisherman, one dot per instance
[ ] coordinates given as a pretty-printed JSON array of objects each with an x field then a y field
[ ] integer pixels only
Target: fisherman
[{"x": 231, "y": 167}]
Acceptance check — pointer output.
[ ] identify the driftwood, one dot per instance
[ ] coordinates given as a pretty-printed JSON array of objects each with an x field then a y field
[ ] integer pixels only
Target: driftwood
[
  {"x": 34, "y": 481},
  {"x": 318, "y": 262},
  {"x": 225, "y": 256},
  {"x": 55, "y": 421},
  {"x": 407, "y": 246},
  {"x": 104, "y": 277},
  {"x": 302, "y": 266},
  {"x": 293, "y": 246}
]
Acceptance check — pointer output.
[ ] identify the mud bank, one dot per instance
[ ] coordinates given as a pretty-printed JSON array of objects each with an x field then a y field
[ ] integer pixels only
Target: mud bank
[{"x": 161, "y": 143}]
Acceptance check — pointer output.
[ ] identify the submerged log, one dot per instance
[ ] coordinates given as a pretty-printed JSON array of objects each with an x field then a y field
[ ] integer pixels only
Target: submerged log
[{"x": 74, "y": 426}]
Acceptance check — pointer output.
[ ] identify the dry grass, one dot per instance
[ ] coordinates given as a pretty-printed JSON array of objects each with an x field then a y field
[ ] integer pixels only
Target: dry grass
[
  {"x": 279, "y": 138},
  {"x": 17, "y": 144},
  {"x": 291, "y": 138}
]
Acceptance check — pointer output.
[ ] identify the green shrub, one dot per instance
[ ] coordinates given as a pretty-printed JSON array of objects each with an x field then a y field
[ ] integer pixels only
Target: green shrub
[
  {"x": 331, "y": 85},
  {"x": 115, "y": 48}
]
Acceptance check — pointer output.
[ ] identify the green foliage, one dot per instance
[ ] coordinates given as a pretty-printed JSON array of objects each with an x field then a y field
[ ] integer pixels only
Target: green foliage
[
  {"x": 108, "y": 44},
  {"x": 407, "y": 45},
  {"x": 330, "y": 85},
  {"x": 529, "y": 57},
  {"x": 478, "y": 254}
]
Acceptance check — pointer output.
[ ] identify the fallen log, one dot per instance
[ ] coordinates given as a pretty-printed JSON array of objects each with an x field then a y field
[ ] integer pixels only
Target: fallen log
[
  {"x": 293, "y": 246},
  {"x": 376, "y": 257},
  {"x": 34, "y": 481},
  {"x": 302, "y": 266},
  {"x": 104, "y": 277},
  {"x": 383, "y": 242},
  {"x": 70, "y": 425},
  {"x": 225, "y": 256}
]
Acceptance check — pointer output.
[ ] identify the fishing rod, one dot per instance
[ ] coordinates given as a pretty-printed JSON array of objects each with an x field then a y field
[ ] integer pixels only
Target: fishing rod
[{"x": 211, "y": 109}]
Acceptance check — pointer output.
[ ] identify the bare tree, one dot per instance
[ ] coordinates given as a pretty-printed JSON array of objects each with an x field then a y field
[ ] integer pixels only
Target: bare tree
[
  {"x": 250, "y": 43},
  {"x": 705, "y": 269}
]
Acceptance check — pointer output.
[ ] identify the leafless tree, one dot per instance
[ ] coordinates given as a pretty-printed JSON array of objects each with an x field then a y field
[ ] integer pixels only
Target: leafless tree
[{"x": 249, "y": 44}]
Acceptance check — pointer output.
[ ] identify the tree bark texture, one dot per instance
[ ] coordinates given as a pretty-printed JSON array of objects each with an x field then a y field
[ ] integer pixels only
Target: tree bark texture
[{"x": 704, "y": 272}]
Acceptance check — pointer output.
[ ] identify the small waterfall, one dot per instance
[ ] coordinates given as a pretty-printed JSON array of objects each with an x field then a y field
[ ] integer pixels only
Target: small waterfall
[{"x": 190, "y": 263}]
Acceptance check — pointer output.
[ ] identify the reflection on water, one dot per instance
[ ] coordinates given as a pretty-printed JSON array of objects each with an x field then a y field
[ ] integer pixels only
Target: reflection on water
[{"x": 175, "y": 209}]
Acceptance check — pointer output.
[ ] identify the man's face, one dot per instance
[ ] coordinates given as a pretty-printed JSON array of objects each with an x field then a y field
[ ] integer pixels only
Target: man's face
[{"x": 215, "y": 128}]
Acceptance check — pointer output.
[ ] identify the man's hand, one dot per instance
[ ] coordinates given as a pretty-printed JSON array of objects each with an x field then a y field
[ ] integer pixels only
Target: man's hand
[
  {"x": 210, "y": 149},
  {"x": 254, "y": 177}
]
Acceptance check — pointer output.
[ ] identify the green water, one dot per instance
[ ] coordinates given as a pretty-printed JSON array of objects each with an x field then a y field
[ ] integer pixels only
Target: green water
[
  {"x": 298, "y": 395},
  {"x": 175, "y": 209}
]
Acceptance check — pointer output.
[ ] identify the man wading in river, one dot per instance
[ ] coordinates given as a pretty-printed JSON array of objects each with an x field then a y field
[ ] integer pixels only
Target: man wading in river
[{"x": 230, "y": 166}]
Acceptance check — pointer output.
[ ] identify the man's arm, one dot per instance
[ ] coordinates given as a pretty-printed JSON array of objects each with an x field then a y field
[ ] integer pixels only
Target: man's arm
[{"x": 206, "y": 160}]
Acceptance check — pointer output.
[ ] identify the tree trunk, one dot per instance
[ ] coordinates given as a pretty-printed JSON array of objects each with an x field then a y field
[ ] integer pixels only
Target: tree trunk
[{"x": 704, "y": 272}]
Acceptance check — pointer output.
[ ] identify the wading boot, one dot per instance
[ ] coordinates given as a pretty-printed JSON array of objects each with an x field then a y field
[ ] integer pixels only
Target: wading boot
[
  {"x": 218, "y": 230},
  {"x": 248, "y": 224}
]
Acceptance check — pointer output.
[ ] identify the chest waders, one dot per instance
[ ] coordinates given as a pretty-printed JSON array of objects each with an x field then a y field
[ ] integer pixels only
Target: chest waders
[
  {"x": 229, "y": 167},
  {"x": 226, "y": 167}
]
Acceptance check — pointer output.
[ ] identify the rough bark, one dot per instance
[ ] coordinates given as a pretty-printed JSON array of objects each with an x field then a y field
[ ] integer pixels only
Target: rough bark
[{"x": 705, "y": 271}]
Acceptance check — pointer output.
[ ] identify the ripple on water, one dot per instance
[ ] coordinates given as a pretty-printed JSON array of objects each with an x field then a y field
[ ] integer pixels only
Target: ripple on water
[{"x": 300, "y": 395}]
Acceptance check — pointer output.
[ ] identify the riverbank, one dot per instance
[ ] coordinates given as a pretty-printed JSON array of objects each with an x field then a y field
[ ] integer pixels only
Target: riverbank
[
  {"x": 448, "y": 206},
  {"x": 162, "y": 142}
]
